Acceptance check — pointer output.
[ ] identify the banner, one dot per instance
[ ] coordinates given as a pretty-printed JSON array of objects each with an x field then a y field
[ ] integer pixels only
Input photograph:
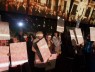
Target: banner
[
  {"x": 4, "y": 31},
  {"x": 79, "y": 36},
  {"x": 92, "y": 33},
  {"x": 60, "y": 25},
  {"x": 76, "y": 36},
  {"x": 44, "y": 50},
  {"x": 4, "y": 58},
  {"x": 73, "y": 38},
  {"x": 18, "y": 53}
]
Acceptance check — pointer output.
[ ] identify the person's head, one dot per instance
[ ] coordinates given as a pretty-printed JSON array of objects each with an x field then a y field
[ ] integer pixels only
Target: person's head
[
  {"x": 25, "y": 35},
  {"x": 39, "y": 34},
  {"x": 21, "y": 33},
  {"x": 88, "y": 37},
  {"x": 48, "y": 37},
  {"x": 24, "y": 5},
  {"x": 54, "y": 13},
  {"x": 15, "y": 39},
  {"x": 56, "y": 34}
]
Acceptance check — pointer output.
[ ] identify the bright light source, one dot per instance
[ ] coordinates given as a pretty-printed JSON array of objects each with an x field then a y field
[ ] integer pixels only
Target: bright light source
[
  {"x": 58, "y": 17},
  {"x": 20, "y": 24}
]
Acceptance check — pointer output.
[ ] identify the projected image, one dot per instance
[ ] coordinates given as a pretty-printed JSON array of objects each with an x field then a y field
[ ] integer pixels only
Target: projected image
[
  {"x": 88, "y": 11},
  {"x": 45, "y": 8},
  {"x": 63, "y": 8},
  {"x": 18, "y": 6},
  {"x": 48, "y": 8},
  {"x": 93, "y": 14}
]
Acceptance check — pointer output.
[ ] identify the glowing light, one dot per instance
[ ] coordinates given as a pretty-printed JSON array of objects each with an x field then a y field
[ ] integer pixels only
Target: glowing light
[
  {"x": 58, "y": 17},
  {"x": 20, "y": 24}
]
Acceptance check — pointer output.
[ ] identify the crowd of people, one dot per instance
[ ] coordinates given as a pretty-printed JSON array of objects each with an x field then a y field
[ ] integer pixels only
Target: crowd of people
[
  {"x": 13, "y": 6},
  {"x": 41, "y": 10},
  {"x": 34, "y": 8},
  {"x": 60, "y": 44},
  {"x": 53, "y": 42}
]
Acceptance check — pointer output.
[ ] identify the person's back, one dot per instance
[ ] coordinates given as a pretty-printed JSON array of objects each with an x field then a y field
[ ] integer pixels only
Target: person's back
[
  {"x": 38, "y": 61},
  {"x": 88, "y": 47},
  {"x": 57, "y": 43}
]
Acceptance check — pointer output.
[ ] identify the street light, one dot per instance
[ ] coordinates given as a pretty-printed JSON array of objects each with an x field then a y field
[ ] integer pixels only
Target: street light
[{"x": 20, "y": 24}]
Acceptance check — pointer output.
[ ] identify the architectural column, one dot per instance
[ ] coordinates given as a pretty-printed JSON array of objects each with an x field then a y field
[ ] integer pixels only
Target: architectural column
[
  {"x": 59, "y": 5},
  {"x": 46, "y": 2},
  {"x": 35, "y": 0},
  {"x": 62, "y": 5},
  {"x": 39, "y": 1},
  {"x": 52, "y": 5},
  {"x": 43, "y": 1}
]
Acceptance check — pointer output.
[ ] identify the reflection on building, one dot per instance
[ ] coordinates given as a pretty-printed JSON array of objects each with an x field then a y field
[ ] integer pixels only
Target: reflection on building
[
  {"x": 82, "y": 9},
  {"x": 53, "y": 6}
]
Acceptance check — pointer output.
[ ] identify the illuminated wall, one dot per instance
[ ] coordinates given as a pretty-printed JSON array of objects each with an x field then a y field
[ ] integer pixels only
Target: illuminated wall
[
  {"x": 68, "y": 5},
  {"x": 79, "y": 7},
  {"x": 82, "y": 7},
  {"x": 53, "y": 3},
  {"x": 43, "y": 1}
]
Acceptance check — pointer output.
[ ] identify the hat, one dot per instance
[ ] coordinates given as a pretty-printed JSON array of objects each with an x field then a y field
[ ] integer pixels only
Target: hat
[{"x": 39, "y": 33}]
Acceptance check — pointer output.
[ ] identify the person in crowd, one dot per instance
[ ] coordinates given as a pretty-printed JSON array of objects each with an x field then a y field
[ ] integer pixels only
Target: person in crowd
[
  {"x": 2, "y": 5},
  {"x": 18, "y": 5},
  {"x": 25, "y": 37},
  {"x": 37, "y": 63},
  {"x": 31, "y": 54},
  {"x": 15, "y": 40},
  {"x": 78, "y": 21},
  {"x": 79, "y": 59},
  {"x": 34, "y": 10},
  {"x": 21, "y": 36},
  {"x": 7, "y": 3},
  {"x": 30, "y": 9},
  {"x": 60, "y": 13},
  {"x": 10, "y": 6},
  {"x": 3, "y": 42},
  {"x": 88, "y": 45},
  {"x": 88, "y": 52},
  {"x": 57, "y": 42},
  {"x": 52, "y": 50},
  {"x": 22, "y": 8},
  {"x": 50, "y": 43},
  {"x": 14, "y": 4},
  {"x": 48, "y": 15}
]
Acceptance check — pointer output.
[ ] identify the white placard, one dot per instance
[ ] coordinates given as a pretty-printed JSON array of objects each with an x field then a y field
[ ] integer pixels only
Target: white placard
[
  {"x": 92, "y": 33},
  {"x": 79, "y": 35},
  {"x": 60, "y": 25},
  {"x": 73, "y": 38},
  {"x": 18, "y": 53},
  {"x": 4, "y": 31},
  {"x": 4, "y": 58},
  {"x": 44, "y": 50}
]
